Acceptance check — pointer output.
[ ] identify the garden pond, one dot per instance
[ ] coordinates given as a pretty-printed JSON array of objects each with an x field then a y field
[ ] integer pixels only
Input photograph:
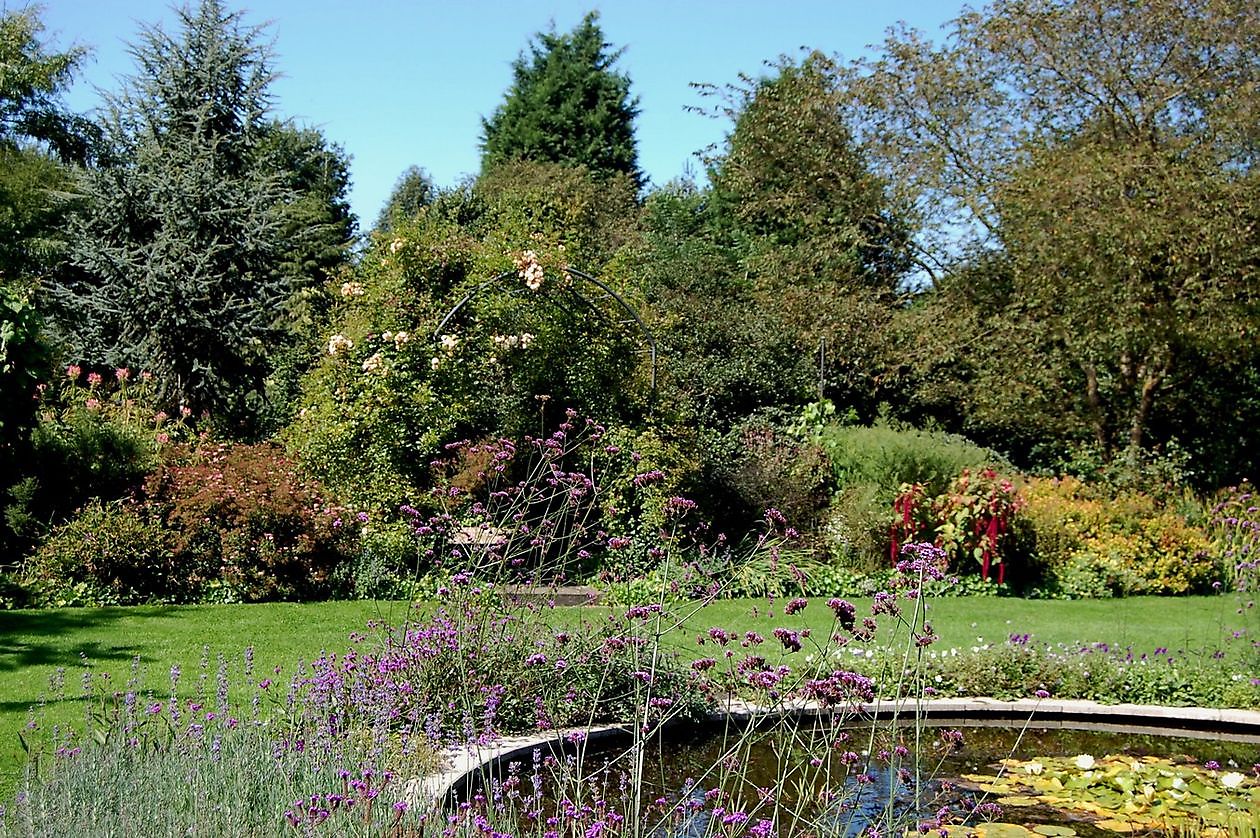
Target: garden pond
[{"x": 1002, "y": 782}]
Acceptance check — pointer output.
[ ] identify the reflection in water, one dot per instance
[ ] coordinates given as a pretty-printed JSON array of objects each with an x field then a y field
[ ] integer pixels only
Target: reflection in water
[{"x": 820, "y": 781}]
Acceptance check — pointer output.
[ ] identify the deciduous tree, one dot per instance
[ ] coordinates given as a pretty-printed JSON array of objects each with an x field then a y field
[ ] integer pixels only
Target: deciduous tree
[{"x": 1108, "y": 150}]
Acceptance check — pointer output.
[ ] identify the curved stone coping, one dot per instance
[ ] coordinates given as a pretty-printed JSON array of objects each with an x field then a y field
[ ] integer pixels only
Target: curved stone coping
[
  {"x": 1245, "y": 722},
  {"x": 461, "y": 768}
]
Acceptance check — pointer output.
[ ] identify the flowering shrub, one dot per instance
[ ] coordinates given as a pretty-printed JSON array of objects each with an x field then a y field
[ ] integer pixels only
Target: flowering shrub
[
  {"x": 96, "y": 435},
  {"x": 870, "y": 466},
  {"x": 245, "y": 525},
  {"x": 969, "y": 521},
  {"x": 1233, "y": 528},
  {"x": 771, "y": 469}
]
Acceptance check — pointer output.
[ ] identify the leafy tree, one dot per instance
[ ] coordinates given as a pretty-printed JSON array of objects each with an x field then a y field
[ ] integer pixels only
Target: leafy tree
[
  {"x": 413, "y": 191},
  {"x": 813, "y": 226},
  {"x": 31, "y": 79},
  {"x": 796, "y": 190},
  {"x": 1108, "y": 150},
  {"x": 567, "y": 105},
  {"x": 191, "y": 239},
  {"x": 37, "y": 137}
]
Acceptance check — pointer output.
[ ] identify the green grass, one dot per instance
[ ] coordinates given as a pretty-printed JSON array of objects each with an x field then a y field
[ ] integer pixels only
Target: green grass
[
  {"x": 1145, "y": 623},
  {"x": 34, "y": 644}
]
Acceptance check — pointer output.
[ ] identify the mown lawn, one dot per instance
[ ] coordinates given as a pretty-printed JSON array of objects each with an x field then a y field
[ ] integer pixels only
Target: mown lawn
[{"x": 34, "y": 645}]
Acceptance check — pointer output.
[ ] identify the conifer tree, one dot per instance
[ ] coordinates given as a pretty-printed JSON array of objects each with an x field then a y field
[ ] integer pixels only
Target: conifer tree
[
  {"x": 183, "y": 255},
  {"x": 567, "y": 105}
]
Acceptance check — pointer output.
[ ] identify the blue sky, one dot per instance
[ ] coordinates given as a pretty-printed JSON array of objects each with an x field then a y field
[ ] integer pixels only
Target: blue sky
[{"x": 406, "y": 83}]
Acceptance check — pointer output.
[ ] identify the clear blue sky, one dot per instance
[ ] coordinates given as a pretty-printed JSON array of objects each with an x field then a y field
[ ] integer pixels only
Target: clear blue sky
[{"x": 406, "y": 83}]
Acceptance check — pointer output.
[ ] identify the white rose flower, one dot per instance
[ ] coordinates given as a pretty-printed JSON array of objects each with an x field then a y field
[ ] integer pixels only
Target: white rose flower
[
  {"x": 449, "y": 342},
  {"x": 338, "y": 344}
]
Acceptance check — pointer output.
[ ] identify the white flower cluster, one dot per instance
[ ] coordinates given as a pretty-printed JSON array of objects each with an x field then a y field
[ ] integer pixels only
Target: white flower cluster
[
  {"x": 521, "y": 341},
  {"x": 352, "y": 289},
  {"x": 448, "y": 343},
  {"x": 338, "y": 344},
  {"x": 374, "y": 363},
  {"x": 396, "y": 245},
  {"x": 399, "y": 338},
  {"x": 530, "y": 270}
]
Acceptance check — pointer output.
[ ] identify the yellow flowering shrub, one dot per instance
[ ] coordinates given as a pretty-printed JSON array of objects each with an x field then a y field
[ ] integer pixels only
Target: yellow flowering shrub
[{"x": 1089, "y": 545}]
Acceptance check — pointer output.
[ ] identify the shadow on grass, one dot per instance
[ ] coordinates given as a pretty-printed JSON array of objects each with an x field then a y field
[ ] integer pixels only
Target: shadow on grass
[{"x": 46, "y": 638}]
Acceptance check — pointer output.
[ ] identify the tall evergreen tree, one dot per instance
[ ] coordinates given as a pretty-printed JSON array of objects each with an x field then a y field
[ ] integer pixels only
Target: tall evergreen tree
[
  {"x": 567, "y": 105},
  {"x": 183, "y": 257},
  {"x": 413, "y": 191}
]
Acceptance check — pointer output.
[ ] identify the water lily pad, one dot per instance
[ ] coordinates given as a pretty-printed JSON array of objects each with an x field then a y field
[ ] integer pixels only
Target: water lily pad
[
  {"x": 1054, "y": 831},
  {"x": 1117, "y": 825},
  {"x": 1003, "y": 830},
  {"x": 1018, "y": 800}
]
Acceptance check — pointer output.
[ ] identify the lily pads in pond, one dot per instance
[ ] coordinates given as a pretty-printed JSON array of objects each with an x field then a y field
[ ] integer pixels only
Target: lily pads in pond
[{"x": 1128, "y": 794}]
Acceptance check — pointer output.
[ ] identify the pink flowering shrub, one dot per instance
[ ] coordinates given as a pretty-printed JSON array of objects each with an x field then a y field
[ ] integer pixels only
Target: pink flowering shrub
[{"x": 245, "y": 522}]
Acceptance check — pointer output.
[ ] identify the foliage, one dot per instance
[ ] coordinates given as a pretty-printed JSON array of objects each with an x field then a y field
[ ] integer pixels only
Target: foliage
[
  {"x": 969, "y": 521},
  {"x": 245, "y": 526},
  {"x": 1147, "y": 793},
  {"x": 1100, "y": 671},
  {"x": 389, "y": 392},
  {"x": 30, "y": 85},
  {"x": 212, "y": 523},
  {"x": 413, "y": 191},
  {"x": 94, "y": 437},
  {"x": 869, "y": 465},
  {"x": 566, "y": 105},
  {"x": 1097, "y": 149},
  {"x": 812, "y": 227},
  {"x": 795, "y": 190},
  {"x": 1233, "y": 528},
  {"x": 724, "y": 355},
  {"x": 109, "y": 554},
  {"x": 25, "y": 361},
  {"x": 38, "y": 138},
  {"x": 178, "y": 254},
  {"x": 1088, "y": 545},
  {"x": 885, "y": 455},
  {"x": 769, "y": 469}
]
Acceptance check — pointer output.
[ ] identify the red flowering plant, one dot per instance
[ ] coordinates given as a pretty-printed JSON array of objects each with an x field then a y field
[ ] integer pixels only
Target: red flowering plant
[{"x": 969, "y": 521}]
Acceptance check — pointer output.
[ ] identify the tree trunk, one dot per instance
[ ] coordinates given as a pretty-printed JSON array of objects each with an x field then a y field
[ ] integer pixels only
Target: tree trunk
[
  {"x": 1097, "y": 416},
  {"x": 1151, "y": 373}
]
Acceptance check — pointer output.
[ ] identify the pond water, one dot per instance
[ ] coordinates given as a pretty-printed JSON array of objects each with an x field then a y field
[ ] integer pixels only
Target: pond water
[{"x": 840, "y": 782}]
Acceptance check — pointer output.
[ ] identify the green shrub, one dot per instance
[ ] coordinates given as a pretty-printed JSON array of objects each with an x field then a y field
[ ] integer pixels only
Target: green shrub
[
  {"x": 109, "y": 554},
  {"x": 886, "y": 457}
]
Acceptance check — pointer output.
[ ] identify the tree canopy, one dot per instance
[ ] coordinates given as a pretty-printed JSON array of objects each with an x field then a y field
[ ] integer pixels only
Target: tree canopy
[
  {"x": 194, "y": 233},
  {"x": 1107, "y": 150},
  {"x": 567, "y": 105}
]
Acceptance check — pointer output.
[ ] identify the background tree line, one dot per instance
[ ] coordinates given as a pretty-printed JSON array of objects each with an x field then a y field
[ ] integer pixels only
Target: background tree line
[{"x": 1039, "y": 233}]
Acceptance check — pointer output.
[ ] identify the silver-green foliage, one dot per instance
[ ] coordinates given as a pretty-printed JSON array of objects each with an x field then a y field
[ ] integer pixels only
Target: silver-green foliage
[{"x": 174, "y": 253}]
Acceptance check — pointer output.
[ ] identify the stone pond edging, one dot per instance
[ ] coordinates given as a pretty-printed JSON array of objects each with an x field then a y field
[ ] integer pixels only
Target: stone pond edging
[{"x": 461, "y": 767}]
